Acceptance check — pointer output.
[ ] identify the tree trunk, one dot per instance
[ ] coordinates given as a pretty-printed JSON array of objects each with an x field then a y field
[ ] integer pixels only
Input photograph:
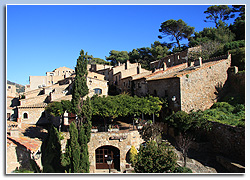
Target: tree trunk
[{"x": 184, "y": 158}]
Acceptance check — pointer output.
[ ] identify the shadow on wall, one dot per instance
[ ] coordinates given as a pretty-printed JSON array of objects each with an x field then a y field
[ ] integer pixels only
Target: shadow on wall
[{"x": 35, "y": 132}]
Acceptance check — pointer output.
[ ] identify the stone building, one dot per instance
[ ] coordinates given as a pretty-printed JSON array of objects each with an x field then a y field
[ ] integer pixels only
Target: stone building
[
  {"x": 50, "y": 78},
  {"x": 192, "y": 88},
  {"x": 124, "y": 70},
  {"x": 21, "y": 149},
  {"x": 11, "y": 102},
  {"x": 113, "y": 144},
  {"x": 101, "y": 69},
  {"x": 32, "y": 107},
  {"x": 174, "y": 59}
]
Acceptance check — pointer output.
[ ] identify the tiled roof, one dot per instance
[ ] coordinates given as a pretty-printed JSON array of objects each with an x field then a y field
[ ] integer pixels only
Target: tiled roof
[
  {"x": 138, "y": 76},
  {"x": 31, "y": 144},
  {"x": 182, "y": 72}
]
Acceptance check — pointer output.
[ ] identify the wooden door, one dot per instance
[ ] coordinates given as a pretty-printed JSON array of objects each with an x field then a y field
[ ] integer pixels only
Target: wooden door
[{"x": 103, "y": 153}]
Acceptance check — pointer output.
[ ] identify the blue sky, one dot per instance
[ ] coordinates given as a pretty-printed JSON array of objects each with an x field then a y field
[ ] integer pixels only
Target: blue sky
[{"x": 41, "y": 38}]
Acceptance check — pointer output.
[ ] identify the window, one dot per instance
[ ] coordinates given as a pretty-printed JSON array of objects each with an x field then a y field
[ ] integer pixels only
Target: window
[
  {"x": 95, "y": 76},
  {"x": 98, "y": 91},
  {"x": 139, "y": 85},
  {"x": 25, "y": 116}
]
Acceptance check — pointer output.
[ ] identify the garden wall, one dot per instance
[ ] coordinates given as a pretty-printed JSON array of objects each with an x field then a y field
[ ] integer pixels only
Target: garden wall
[{"x": 228, "y": 141}]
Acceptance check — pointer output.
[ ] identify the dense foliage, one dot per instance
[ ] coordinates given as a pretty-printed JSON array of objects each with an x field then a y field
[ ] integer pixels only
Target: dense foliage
[
  {"x": 218, "y": 13},
  {"x": 176, "y": 30},
  {"x": 155, "y": 158},
  {"x": 58, "y": 108},
  {"x": 117, "y": 56},
  {"x": 124, "y": 105},
  {"x": 143, "y": 55},
  {"x": 226, "y": 113},
  {"x": 187, "y": 128}
]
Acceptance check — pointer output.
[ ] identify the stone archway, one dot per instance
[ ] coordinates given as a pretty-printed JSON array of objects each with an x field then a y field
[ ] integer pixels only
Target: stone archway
[{"x": 101, "y": 155}]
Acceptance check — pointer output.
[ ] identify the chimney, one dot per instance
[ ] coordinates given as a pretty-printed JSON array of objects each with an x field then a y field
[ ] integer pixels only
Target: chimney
[
  {"x": 164, "y": 66},
  {"x": 14, "y": 132},
  {"x": 139, "y": 68},
  {"x": 200, "y": 61}
]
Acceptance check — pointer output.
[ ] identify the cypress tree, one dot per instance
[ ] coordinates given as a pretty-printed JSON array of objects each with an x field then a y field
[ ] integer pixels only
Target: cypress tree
[
  {"x": 72, "y": 155},
  {"x": 80, "y": 88},
  {"x": 87, "y": 114},
  {"x": 76, "y": 156},
  {"x": 84, "y": 154},
  {"x": 51, "y": 152}
]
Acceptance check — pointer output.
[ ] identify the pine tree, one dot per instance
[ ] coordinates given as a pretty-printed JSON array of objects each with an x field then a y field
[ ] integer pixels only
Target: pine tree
[{"x": 51, "y": 152}]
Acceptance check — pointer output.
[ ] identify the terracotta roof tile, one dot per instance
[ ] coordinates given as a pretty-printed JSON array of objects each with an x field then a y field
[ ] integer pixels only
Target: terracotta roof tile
[{"x": 31, "y": 144}]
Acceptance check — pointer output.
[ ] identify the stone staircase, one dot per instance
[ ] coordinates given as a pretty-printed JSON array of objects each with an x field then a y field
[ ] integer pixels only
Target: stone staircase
[{"x": 103, "y": 171}]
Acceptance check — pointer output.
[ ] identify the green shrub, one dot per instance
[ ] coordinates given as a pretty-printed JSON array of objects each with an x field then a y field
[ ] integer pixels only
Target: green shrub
[
  {"x": 182, "y": 170},
  {"x": 223, "y": 106},
  {"x": 155, "y": 158},
  {"x": 132, "y": 155},
  {"x": 238, "y": 58},
  {"x": 234, "y": 45}
]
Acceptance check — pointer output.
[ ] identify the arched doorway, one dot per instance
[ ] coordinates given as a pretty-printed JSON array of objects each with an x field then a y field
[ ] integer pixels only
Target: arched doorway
[{"x": 101, "y": 155}]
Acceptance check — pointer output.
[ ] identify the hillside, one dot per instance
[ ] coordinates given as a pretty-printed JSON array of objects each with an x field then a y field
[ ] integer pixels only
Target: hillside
[{"x": 19, "y": 88}]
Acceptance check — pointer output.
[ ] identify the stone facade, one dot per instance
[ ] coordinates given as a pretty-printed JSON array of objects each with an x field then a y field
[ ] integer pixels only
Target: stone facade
[
  {"x": 50, "y": 78},
  {"x": 122, "y": 71},
  {"x": 124, "y": 144},
  {"x": 195, "y": 87},
  {"x": 32, "y": 115},
  {"x": 199, "y": 88},
  {"x": 11, "y": 102},
  {"x": 173, "y": 59},
  {"x": 32, "y": 107}
]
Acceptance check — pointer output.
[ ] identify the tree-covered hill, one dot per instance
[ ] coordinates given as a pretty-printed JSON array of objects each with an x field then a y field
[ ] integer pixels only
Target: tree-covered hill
[{"x": 19, "y": 88}]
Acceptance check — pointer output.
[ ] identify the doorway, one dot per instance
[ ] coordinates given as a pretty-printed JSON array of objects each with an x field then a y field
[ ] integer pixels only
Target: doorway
[{"x": 103, "y": 153}]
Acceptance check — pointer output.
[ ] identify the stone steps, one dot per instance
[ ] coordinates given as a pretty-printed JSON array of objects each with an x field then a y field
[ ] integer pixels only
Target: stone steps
[{"x": 101, "y": 171}]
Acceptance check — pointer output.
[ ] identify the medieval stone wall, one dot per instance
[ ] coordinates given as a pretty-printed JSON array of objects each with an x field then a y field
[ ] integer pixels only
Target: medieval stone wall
[
  {"x": 124, "y": 144},
  {"x": 33, "y": 100},
  {"x": 228, "y": 141},
  {"x": 34, "y": 115},
  {"x": 165, "y": 88},
  {"x": 199, "y": 89}
]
